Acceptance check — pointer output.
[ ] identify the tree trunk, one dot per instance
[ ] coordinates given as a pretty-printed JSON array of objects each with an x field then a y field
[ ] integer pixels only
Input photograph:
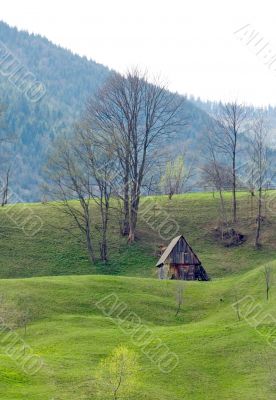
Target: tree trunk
[
  {"x": 251, "y": 203},
  {"x": 103, "y": 246},
  {"x": 178, "y": 310},
  {"x": 224, "y": 214},
  {"x": 89, "y": 241},
  {"x": 90, "y": 248},
  {"x": 104, "y": 257},
  {"x": 6, "y": 189},
  {"x": 125, "y": 225},
  {"x": 234, "y": 190},
  {"x": 259, "y": 216},
  {"x": 132, "y": 225},
  {"x": 135, "y": 199}
]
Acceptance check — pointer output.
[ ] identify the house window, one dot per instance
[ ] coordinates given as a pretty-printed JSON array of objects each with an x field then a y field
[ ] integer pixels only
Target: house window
[{"x": 186, "y": 257}]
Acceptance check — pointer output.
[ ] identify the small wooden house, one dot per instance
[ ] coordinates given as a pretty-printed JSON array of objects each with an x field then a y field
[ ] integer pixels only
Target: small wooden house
[{"x": 179, "y": 261}]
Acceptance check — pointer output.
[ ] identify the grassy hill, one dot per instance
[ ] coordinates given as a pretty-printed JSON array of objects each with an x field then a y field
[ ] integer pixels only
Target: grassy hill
[
  {"x": 220, "y": 357},
  {"x": 53, "y": 251}
]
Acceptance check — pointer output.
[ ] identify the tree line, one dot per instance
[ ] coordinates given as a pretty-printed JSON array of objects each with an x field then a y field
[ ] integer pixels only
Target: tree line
[{"x": 118, "y": 150}]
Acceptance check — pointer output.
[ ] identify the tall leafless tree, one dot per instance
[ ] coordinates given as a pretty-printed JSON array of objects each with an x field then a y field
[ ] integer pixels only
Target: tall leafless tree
[
  {"x": 68, "y": 181},
  {"x": 260, "y": 168},
  {"x": 133, "y": 115},
  {"x": 214, "y": 173},
  {"x": 81, "y": 169},
  {"x": 230, "y": 125},
  {"x": 99, "y": 164}
]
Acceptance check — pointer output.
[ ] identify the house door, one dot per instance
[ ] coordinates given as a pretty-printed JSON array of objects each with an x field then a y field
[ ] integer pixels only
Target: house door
[
  {"x": 183, "y": 272},
  {"x": 191, "y": 273}
]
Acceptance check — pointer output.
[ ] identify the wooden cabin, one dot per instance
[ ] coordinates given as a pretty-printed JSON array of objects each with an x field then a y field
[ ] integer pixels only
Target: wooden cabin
[{"x": 179, "y": 261}]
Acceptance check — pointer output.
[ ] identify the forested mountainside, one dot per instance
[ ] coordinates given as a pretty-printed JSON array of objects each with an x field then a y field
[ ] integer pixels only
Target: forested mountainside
[{"x": 68, "y": 80}]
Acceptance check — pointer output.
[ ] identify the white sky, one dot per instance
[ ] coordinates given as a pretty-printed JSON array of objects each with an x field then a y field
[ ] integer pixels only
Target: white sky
[{"x": 191, "y": 44}]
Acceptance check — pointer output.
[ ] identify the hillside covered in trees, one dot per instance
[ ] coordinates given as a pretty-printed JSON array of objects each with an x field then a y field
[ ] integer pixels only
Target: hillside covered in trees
[{"x": 69, "y": 80}]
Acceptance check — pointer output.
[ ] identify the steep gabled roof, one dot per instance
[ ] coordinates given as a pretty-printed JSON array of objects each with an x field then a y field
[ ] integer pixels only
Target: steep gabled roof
[{"x": 169, "y": 249}]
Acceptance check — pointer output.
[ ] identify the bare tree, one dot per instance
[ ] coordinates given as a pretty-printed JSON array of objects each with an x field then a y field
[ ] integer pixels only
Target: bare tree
[
  {"x": 216, "y": 175},
  {"x": 5, "y": 189},
  {"x": 251, "y": 185},
  {"x": 268, "y": 279},
  {"x": 213, "y": 172},
  {"x": 69, "y": 181},
  {"x": 99, "y": 164},
  {"x": 5, "y": 158},
  {"x": 103, "y": 200},
  {"x": 81, "y": 169},
  {"x": 260, "y": 168},
  {"x": 179, "y": 296},
  {"x": 230, "y": 124},
  {"x": 132, "y": 116}
]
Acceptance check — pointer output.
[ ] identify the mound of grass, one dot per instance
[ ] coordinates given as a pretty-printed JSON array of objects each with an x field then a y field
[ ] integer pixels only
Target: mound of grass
[{"x": 219, "y": 356}]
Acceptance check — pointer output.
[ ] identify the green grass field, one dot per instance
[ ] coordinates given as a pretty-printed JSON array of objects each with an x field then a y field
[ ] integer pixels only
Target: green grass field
[
  {"x": 220, "y": 357},
  {"x": 52, "y": 251}
]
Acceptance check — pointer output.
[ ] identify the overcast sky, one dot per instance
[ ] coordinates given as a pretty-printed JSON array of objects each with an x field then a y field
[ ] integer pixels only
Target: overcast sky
[{"x": 191, "y": 44}]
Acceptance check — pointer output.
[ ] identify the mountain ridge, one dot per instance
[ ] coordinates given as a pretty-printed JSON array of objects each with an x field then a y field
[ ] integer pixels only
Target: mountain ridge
[{"x": 69, "y": 79}]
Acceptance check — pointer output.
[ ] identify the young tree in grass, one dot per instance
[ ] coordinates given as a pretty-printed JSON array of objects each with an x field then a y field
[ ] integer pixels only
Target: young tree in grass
[
  {"x": 117, "y": 375},
  {"x": 23, "y": 319},
  {"x": 175, "y": 176},
  {"x": 179, "y": 296},
  {"x": 268, "y": 279}
]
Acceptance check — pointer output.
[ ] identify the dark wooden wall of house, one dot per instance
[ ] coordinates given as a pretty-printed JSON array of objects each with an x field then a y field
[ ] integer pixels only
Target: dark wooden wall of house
[
  {"x": 182, "y": 254},
  {"x": 183, "y": 272}
]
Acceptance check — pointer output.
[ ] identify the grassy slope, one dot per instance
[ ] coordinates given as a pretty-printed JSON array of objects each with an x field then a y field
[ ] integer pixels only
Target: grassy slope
[
  {"x": 53, "y": 252},
  {"x": 220, "y": 358}
]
